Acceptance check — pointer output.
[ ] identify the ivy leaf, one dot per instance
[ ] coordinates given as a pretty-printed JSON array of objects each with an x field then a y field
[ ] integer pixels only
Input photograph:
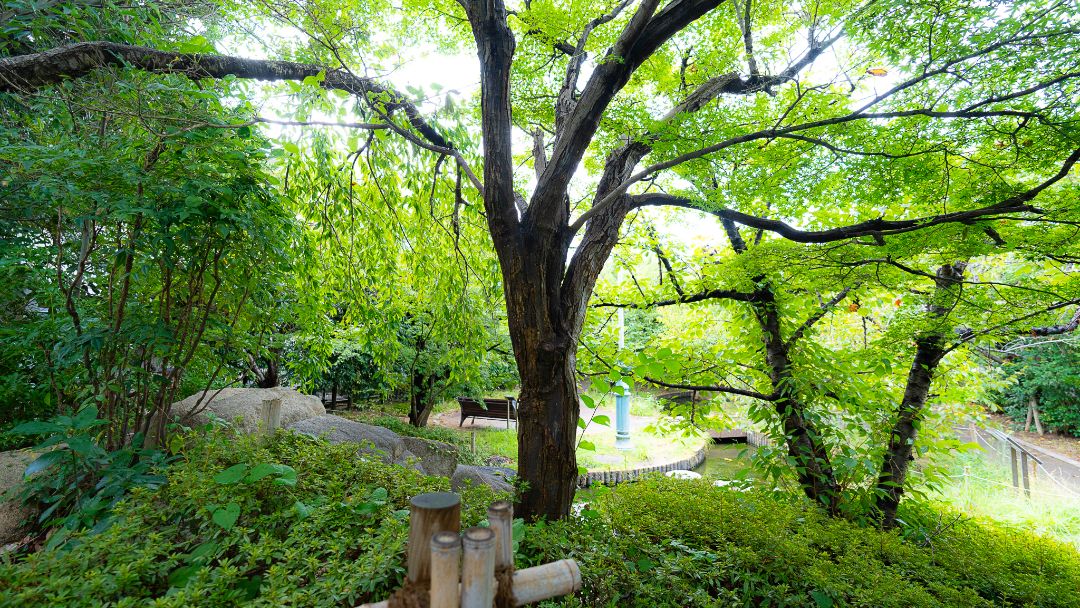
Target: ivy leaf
[
  {"x": 231, "y": 475},
  {"x": 226, "y": 516}
]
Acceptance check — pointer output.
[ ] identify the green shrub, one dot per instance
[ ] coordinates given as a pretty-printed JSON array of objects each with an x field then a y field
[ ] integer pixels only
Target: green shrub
[
  {"x": 1049, "y": 373},
  {"x": 333, "y": 535},
  {"x": 313, "y": 525},
  {"x": 666, "y": 542}
]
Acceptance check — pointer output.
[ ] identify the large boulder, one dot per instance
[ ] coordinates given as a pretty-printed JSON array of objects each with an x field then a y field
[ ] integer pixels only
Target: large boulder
[
  {"x": 499, "y": 479},
  {"x": 243, "y": 407},
  {"x": 436, "y": 458},
  {"x": 387, "y": 444},
  {"x": 13, "y": 515}
]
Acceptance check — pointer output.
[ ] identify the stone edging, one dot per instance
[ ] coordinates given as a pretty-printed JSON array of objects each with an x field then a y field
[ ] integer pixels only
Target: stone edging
[{"x": 613, "y": 477}]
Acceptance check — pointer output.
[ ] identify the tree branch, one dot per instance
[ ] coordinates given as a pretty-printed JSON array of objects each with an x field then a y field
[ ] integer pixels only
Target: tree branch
[
  {"x": 716, "y": 388},
  {"x": 876, "y": 228},
  {"x": 817, "y": 316}
]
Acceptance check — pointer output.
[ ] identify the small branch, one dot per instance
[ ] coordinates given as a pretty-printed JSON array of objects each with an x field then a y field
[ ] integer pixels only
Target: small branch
[
  {"x": 817, "y": 316},
  {"x": 716, "y": 388}
]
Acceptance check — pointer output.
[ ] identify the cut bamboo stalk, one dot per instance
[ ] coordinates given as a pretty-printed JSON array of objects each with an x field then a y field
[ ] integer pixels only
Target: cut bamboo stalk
[
  {"x": 534, "y": 584},
  {"x": 445, "y": 570},
  {"x": 429, "y": 513},
  {"x": 501, "y": 521},
  {"x": 547, "y": 581},
  {"x": 478, "y": 568}
]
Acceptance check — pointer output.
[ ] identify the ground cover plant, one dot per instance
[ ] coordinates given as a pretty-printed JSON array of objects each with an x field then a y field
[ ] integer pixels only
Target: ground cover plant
[{"x": 293, "y": 521}]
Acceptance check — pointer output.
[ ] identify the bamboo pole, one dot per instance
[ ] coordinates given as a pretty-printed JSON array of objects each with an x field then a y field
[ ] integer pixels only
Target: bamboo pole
[
  {"x": 534, "y": 584},
  {"x": 445, "y": 570},
  {"x": 547, "y": 581},
  {"x": 478, "y": 568},
  {"x": 501, "y": 521},
  {"x": 429, "y": 513}
]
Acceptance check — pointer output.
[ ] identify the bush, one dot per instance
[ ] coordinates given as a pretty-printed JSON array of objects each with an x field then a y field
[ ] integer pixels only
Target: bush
[
  {"x": 319, "y": 527},
  {"x": 331, "y": 533},
  {"x": 1050, "y": 373},
  {"x": 665, "y": 542}
]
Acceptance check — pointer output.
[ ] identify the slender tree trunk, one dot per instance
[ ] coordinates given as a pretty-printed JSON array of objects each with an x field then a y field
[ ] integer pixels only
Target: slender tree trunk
[
  {"x": 929, "y": 350},
  {"x": 813, "y": 465},
  {"x": 422, "y": 400}
]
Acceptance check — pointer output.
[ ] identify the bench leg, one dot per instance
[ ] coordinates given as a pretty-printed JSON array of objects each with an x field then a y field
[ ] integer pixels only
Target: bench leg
[{"x": 463, "y": 417}]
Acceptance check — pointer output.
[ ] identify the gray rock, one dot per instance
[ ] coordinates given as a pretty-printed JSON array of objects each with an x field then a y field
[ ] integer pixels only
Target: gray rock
[
  {"x": 499, "y": 479},
  {"x": 335, "y": 429},
  {"x": 243, "y": 407},
  {"x": 13, "y": 515},
  {"x": 436, "y": 457}
]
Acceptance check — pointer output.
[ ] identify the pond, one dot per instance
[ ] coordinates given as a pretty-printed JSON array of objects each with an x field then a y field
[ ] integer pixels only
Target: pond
[{"x": 726, "y": 461}]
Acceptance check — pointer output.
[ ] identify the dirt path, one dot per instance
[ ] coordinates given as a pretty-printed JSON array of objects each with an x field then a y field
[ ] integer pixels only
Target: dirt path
[{"x": 1069, "y": 446}]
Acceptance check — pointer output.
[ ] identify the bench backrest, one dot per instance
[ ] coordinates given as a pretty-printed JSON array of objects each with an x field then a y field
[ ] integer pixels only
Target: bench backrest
[{"x": 489, "y": 407}]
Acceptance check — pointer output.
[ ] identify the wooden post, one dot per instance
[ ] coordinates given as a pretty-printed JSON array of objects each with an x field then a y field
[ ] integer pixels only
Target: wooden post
[
  {"x": 429, "y": 513},
  {"x": 478, "y": 569},
  {"x": 445, "y": 570},
  {"x": 547, "y": 581},
  {"x": 472, "y": 441},
  {"x": 501, "y": 521},
  {"x": 1024, "y": 472},
  {"x": 1012, "y": 463},
  {"x": 270, "y": 416}
]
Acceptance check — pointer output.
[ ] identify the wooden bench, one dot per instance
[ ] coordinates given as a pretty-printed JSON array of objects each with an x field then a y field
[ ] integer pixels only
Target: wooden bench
[{"x": 495, "y": 409}]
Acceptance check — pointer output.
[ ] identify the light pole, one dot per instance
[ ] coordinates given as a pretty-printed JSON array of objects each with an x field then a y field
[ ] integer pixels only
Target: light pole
[{"x": 622, "y": 402}]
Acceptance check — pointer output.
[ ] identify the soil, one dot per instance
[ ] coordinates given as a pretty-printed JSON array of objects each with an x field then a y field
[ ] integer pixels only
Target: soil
[{"x": 1064, "y": 444}]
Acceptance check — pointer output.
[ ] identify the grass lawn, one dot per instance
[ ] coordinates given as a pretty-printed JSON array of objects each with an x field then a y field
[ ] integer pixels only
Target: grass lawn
[{"x": 649, "y": 447}]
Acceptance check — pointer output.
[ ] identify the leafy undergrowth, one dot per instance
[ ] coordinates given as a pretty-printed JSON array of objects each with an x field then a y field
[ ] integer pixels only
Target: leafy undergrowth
[
  {"x": 289, "y": 522},
  {"x": 297, "y": 522},
  {"x": 666, "y": 542}
]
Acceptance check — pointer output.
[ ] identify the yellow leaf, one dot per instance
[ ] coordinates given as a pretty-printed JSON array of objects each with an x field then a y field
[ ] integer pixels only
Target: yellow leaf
[{"x": 877, "y": 71}]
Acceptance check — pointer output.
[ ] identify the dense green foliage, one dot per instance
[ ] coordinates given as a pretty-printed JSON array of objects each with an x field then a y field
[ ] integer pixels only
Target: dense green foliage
[
  {"x": 320, "y": 527},
  {"x": 671, "y": 543},
  {"x": 333, "y": 536},
  {"x": 1048, "y": 375}
]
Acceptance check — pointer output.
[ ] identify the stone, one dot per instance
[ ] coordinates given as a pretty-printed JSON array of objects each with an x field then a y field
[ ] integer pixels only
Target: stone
[
  {"x": 682, "y": 474},
  {"x": 386, "y": 443},
  {"x": 242, "y": 407},
  {"x": 13, "y": 515},
  {"x": 499, "y": 479},
  {"x": 436, "y": 457}
]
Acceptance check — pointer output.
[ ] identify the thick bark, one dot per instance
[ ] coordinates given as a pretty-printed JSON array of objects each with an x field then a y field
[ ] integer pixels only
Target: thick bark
[{"x": 930, "y": 347}]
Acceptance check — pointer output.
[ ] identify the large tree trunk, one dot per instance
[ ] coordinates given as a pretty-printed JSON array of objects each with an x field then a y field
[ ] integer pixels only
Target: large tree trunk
[{"x": 929, "y": 350}]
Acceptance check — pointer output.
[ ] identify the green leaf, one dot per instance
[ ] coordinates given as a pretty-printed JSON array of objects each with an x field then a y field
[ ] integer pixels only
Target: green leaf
[
  {"x": 602, "y": 420},
  {"x": 286, "y": 475},
  {"x": 303, "y": 511},
  {"x": 43, "y": 462},
  {"x": 581, "y": 422},
  {"x": 36, "y": 427},
  {"x": 231, "y": 475},
  {"x": 86, "y": 418},
  {"x": 585, "y": 444},
  {"x": 821, "y": 598},
  {"x": 226, "y": 516},
  {"x": 258, "y": 472},
  {"x": 588, "y": 401}
]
